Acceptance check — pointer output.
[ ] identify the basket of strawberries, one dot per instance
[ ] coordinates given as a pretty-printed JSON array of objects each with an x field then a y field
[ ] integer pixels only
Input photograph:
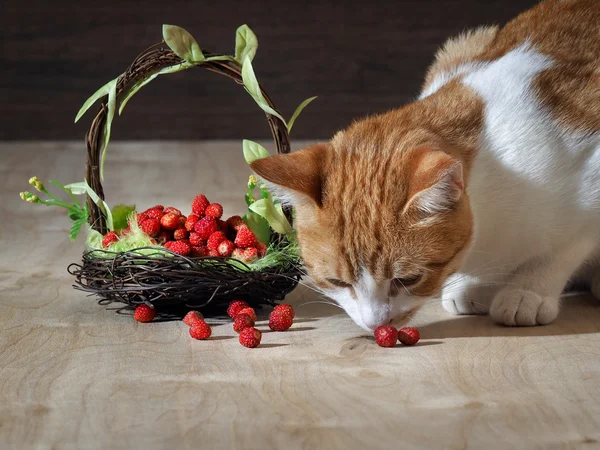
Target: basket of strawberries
[{"x": 170, "y": 260}]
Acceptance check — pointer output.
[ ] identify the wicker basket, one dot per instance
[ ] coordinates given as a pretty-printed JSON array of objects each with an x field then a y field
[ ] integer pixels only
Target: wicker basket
[{"x": 174, "y": 283}]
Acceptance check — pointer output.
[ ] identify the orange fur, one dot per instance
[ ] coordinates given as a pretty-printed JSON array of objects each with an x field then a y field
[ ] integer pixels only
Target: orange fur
[{"x": 363, "y": 182}]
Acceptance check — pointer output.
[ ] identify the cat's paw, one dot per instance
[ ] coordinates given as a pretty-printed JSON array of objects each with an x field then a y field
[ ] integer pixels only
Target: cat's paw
[
  {"x": 522, "y": 308},
  {"x": 458, "y": 304}
]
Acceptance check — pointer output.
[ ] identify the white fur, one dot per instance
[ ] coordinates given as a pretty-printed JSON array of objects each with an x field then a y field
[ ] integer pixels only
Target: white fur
[{"x": 535, "y": 196}]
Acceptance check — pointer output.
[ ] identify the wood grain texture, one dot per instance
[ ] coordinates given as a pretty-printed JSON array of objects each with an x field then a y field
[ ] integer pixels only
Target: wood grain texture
[
  {"x": 76, "y": 376},
  {"x": 358, "y": 57}
]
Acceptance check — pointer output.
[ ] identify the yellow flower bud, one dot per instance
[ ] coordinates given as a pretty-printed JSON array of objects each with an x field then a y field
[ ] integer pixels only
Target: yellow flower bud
[
  {"x": 23, "y": 195},
  {"x": 36, "y": 183},
  {"x": 32, "y": 199},
  {"x": 253, "y": 180}
]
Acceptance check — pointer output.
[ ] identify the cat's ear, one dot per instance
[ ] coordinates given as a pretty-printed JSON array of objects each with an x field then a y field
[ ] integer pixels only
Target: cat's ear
[
  {"x": 295, "y": 177},
  {"x": 436, "y": 182}
]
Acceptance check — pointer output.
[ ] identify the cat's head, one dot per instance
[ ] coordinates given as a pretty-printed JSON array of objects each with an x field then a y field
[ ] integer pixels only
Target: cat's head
[{"x": 382, "y": 218}]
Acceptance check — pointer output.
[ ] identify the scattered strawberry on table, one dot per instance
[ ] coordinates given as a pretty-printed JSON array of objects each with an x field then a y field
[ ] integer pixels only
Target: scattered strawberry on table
[
  {"x": 202, "y": 233},
  {"x": 144, "y": 313},
  {"x": 387, "y": 335}
]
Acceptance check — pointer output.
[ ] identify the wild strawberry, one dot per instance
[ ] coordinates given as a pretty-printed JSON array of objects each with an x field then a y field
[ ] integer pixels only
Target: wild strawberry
[
  {"x": 214, "y": 210},
  {"x": 250, "y": 337},
  {"x": 280, "y": 320},
  {"x": 180, "y": 233},
  {"x": 222, "y": 225},
  {"x": 235, "y": 222},
  {"x": 164, "y": 236},
  {"x": 144, "y": 313},
  {"x": 409, "y": 335},
  {"x": 213, "y": 253},
  {"x": 182, "y": 220},
  {"x": 285, "y": 308},
  {"x": 249, "y": 311},
  {"x": 196, "y": 240},
  {"x": 180, "y": 247},
  {"x": 154, "y": 213},
  {"x": 245, "y": 238},
  {"x": 158, "y": 207},
  {"x": 200, "y": 330},
  {"x": 250, "y": 255},
  {"x": 169, "y": 221},
  {"x": 205, "y": 227},
  {"x": 192, "y": 317},
  {"x": 238, "y": 253},
  {"x": 242, "y": 321},
  {"x": 199, "y": 205},
  {"x": 191, "y": 221},
  {"x": 151, "y": 227},
  {"x": 386, "y": 336},
  {"x": 215, "y": 239},
  {"x": 261, "y": 249},
  {"x": 170, "y": 209},
  {"x": 199, "y": 251},
  {"x": 125, "y": 231},
  {"x": 141, "y": 217},
  {"x": 235, "y": 307},
  {"x": 226, "y": 247},
  {"x": 109, "y": 238}
]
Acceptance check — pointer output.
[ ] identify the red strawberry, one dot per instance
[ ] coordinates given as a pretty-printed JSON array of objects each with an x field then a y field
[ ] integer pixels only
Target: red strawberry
[
  {"x": 154, "y": 213},
  {"x": 409, "y": 335},
  {"x": 199, "y": 205},
  {"x": 250, "y": 337},
  {"x": 235, "y": 307},
  {"x": 200, "y": 330},
  {"x": 261, "y": 249},
  {"x": 235, "y": 222},
  {"x": 172, "y": 210},
  {"x": 245, "y": 238},
  {"x": 215, "y": 239},
  {"x": 180, "y": 247},
  {"x": 242, "y": 321},
  {"x": 213, "y": 253},
  {"x": 214, "y": 210},
  {"x": 182, "y": 220},
  {"x": 205, "y": 227},
  {"x": 250, "y": 254},
  {"x": 141, "y": 217},
  {"x": 386, "y": 336},
  {"x": 222, "y": 225},
  {"x": 109, "y": 238},
  {"x": 192, "y": 317},
  {"x": 249, "y": 311},
  {"x": 151, "y": 227},
  {"x": 199, "y": 251},
  {"x": 180, "y": 233},
  {"x": 280, "y": 320},
  {"x": 196, "y": 240},
  {"x": 191, "y": 221},
  {"x": 285, "y": 308},
  {"x": 164, "y": 236},
  {"x": 226, "y": 247},
  {"x": 159, "y": 207},
  {"x": 169, "y": 221},
  {"x": 144, "y": 313}
]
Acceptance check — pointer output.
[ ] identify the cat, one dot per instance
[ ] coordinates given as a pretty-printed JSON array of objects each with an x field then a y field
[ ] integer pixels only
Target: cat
[{"x": 485, "y": 191}]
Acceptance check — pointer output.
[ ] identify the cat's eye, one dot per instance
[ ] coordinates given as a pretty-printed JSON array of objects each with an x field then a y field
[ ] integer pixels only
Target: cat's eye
[
  {"x": 338, "y": 283},
  {"x": 409, "y": 280}
]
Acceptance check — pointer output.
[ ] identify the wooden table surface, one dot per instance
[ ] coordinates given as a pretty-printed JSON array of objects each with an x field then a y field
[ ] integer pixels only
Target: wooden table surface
[{"x": 76, "y": 376}]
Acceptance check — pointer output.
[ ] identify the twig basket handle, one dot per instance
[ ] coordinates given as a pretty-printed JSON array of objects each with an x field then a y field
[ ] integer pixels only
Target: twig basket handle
[{"x": 147, "y": 63}]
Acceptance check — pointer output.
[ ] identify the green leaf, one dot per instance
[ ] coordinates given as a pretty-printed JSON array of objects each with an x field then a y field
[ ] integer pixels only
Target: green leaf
[
  {"x": 120, "y": 215},
  {"x": 140, "y": 84},
  {"x": 84, "y": 188},
  {"x": 259, "y": 226},
  {"x": 299, "y": 109},
  {"x": 112, "y": 106},
  {"x": 253, "y": 151},
  {"x": 274, "y": 215},
  {"x": 95, "y": 96},
  {"x": 182, "y": 43},
  {"x": 76, "y": 228},
  {"x": 246, "y": 44},
  {"x": 253, "y": 88},
  {"x": 75, "y": 213}
]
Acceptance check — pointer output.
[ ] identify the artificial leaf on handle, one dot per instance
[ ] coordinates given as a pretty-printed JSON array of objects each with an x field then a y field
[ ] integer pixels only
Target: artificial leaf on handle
[
  {"x": 182, "y": 43},
  {"x": 84, "y": 188},
  {"x": 253, "y": 88},
  {"x": 246, "y": 44},
  {"x": 299, "y": 109},
  {"x": 277, "y": 220},
  {"x": 253, "y": 151},
  {"x": 104, "y": 90}
]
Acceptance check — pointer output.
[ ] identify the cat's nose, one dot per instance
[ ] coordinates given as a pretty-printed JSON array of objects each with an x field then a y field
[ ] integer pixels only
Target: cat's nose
[{"x": 373, "y": 321}]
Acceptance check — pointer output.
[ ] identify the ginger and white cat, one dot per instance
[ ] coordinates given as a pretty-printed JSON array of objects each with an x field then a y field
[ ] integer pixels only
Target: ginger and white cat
[{"x": 486, "y": 189}]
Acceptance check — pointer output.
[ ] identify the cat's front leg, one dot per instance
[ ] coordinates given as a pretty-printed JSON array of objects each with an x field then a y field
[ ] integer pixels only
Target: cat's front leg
[
  {"x": 467, "y": 295},
  {"x": 533, "y": 294}
]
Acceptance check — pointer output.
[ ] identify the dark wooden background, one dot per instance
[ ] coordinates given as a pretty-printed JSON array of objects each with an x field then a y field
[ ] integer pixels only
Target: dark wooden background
[{"x": 358, "y": 56}]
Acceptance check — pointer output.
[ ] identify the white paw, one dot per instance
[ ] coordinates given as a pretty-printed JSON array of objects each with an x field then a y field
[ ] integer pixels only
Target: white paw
[
  {"x": 466, "y": 298},
  {"x": 458, "y": 305},
  {"x": 521, "y": 308}
]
